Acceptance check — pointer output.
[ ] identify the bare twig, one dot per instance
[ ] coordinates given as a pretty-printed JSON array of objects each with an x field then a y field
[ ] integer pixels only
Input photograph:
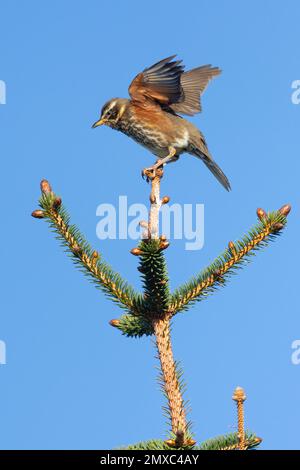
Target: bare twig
[{"x": 155, "y": 205}]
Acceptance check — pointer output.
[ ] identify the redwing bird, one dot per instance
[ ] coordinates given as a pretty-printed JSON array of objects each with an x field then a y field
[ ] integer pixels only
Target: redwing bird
[{"x": 151, "y": 117}]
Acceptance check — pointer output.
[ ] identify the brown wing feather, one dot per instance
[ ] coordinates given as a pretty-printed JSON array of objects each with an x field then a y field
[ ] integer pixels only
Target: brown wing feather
[
  {"x": 193, "y": 84},
  {"x": 159, "y": 83}
]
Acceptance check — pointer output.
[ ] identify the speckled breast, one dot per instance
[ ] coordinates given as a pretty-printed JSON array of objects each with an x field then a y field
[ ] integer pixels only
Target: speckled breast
[{"x": 149, "y": 137}]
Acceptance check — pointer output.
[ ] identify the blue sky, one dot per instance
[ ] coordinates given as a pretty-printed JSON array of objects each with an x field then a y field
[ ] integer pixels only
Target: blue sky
[{"x": 71, "y": 381}]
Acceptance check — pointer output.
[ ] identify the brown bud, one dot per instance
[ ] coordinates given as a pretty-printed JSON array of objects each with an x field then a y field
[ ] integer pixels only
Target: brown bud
[
  {"x": 257, "y": 440},
  {"x": 239, "y": 394},
  {"x": 57, "y": 203},
  {"x": 163, "y": 238},
  {"x": 261, "y": 214},
  {"x": 189, "y": 442},
  {"x": 95, "y": 255},
  {"x": 171, "y": 443},
  {"x": 38, "y": 214},
  {"x": 164, "y": 245},
  {"x": 114, "y": 322},
  {"x": 136, "y": 252},
  {"x": 277, "y": 227},
  {"x": 45, "y": 187},
  {"x": 285, "y": 210},
  {"x": 152, "y": 198},
  {"x": 165, "y": 200}
]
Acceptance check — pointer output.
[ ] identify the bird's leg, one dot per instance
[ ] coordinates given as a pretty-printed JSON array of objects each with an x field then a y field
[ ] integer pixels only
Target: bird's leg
[
  {"x": 150, "y": 172},
  {"x": 170, "y": 156}
]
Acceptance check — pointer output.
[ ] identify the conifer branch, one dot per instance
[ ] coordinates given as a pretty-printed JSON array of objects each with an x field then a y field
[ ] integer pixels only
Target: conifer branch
[
  {"x": 237, "y": 254},
  {"x": 133, "y": 326},
  {"x": 83, "y": 255}
]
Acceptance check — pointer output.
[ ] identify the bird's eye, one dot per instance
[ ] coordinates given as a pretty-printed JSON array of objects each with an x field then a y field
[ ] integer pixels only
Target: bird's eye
[{"x": 107, "y": 114}]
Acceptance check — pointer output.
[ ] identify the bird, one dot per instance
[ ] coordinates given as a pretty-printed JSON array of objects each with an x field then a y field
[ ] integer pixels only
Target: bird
[{"x": 152, "y": 116}]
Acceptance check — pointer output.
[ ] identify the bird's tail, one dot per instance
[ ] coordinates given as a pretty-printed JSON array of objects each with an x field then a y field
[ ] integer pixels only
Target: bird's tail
[
  {"x": 217, "y": 172},
  {"x": 204, "y": 155}
]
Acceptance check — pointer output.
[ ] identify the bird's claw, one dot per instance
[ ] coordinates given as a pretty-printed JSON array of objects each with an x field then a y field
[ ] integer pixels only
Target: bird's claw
[
  {"x": 152, "y": 171},
  {"x": 148, "y": 173}
]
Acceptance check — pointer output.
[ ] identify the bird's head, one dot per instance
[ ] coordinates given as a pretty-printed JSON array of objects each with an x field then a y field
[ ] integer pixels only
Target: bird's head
[{"x": 112, "y": 112}]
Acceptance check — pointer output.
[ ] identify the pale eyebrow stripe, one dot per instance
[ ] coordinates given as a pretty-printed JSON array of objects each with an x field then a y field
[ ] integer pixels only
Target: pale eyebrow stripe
[{"x": 111, "y": 106}]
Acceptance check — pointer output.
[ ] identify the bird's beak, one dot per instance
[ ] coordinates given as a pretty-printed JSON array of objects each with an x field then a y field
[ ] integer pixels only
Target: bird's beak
[{"x": 98, "y": 123}]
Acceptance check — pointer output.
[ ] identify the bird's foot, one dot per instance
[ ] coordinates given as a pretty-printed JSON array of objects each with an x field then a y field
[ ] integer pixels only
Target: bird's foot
[
  {"x": 153, "y": 171},
  {"x": 148, "y": 174}
]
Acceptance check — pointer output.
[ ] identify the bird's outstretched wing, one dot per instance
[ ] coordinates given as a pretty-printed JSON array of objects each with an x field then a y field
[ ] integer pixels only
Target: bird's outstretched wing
[
  {"x": 158, "y": 84},
  {"x": 165, "y": 83},
  {"x": 193, "y": 84}
]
